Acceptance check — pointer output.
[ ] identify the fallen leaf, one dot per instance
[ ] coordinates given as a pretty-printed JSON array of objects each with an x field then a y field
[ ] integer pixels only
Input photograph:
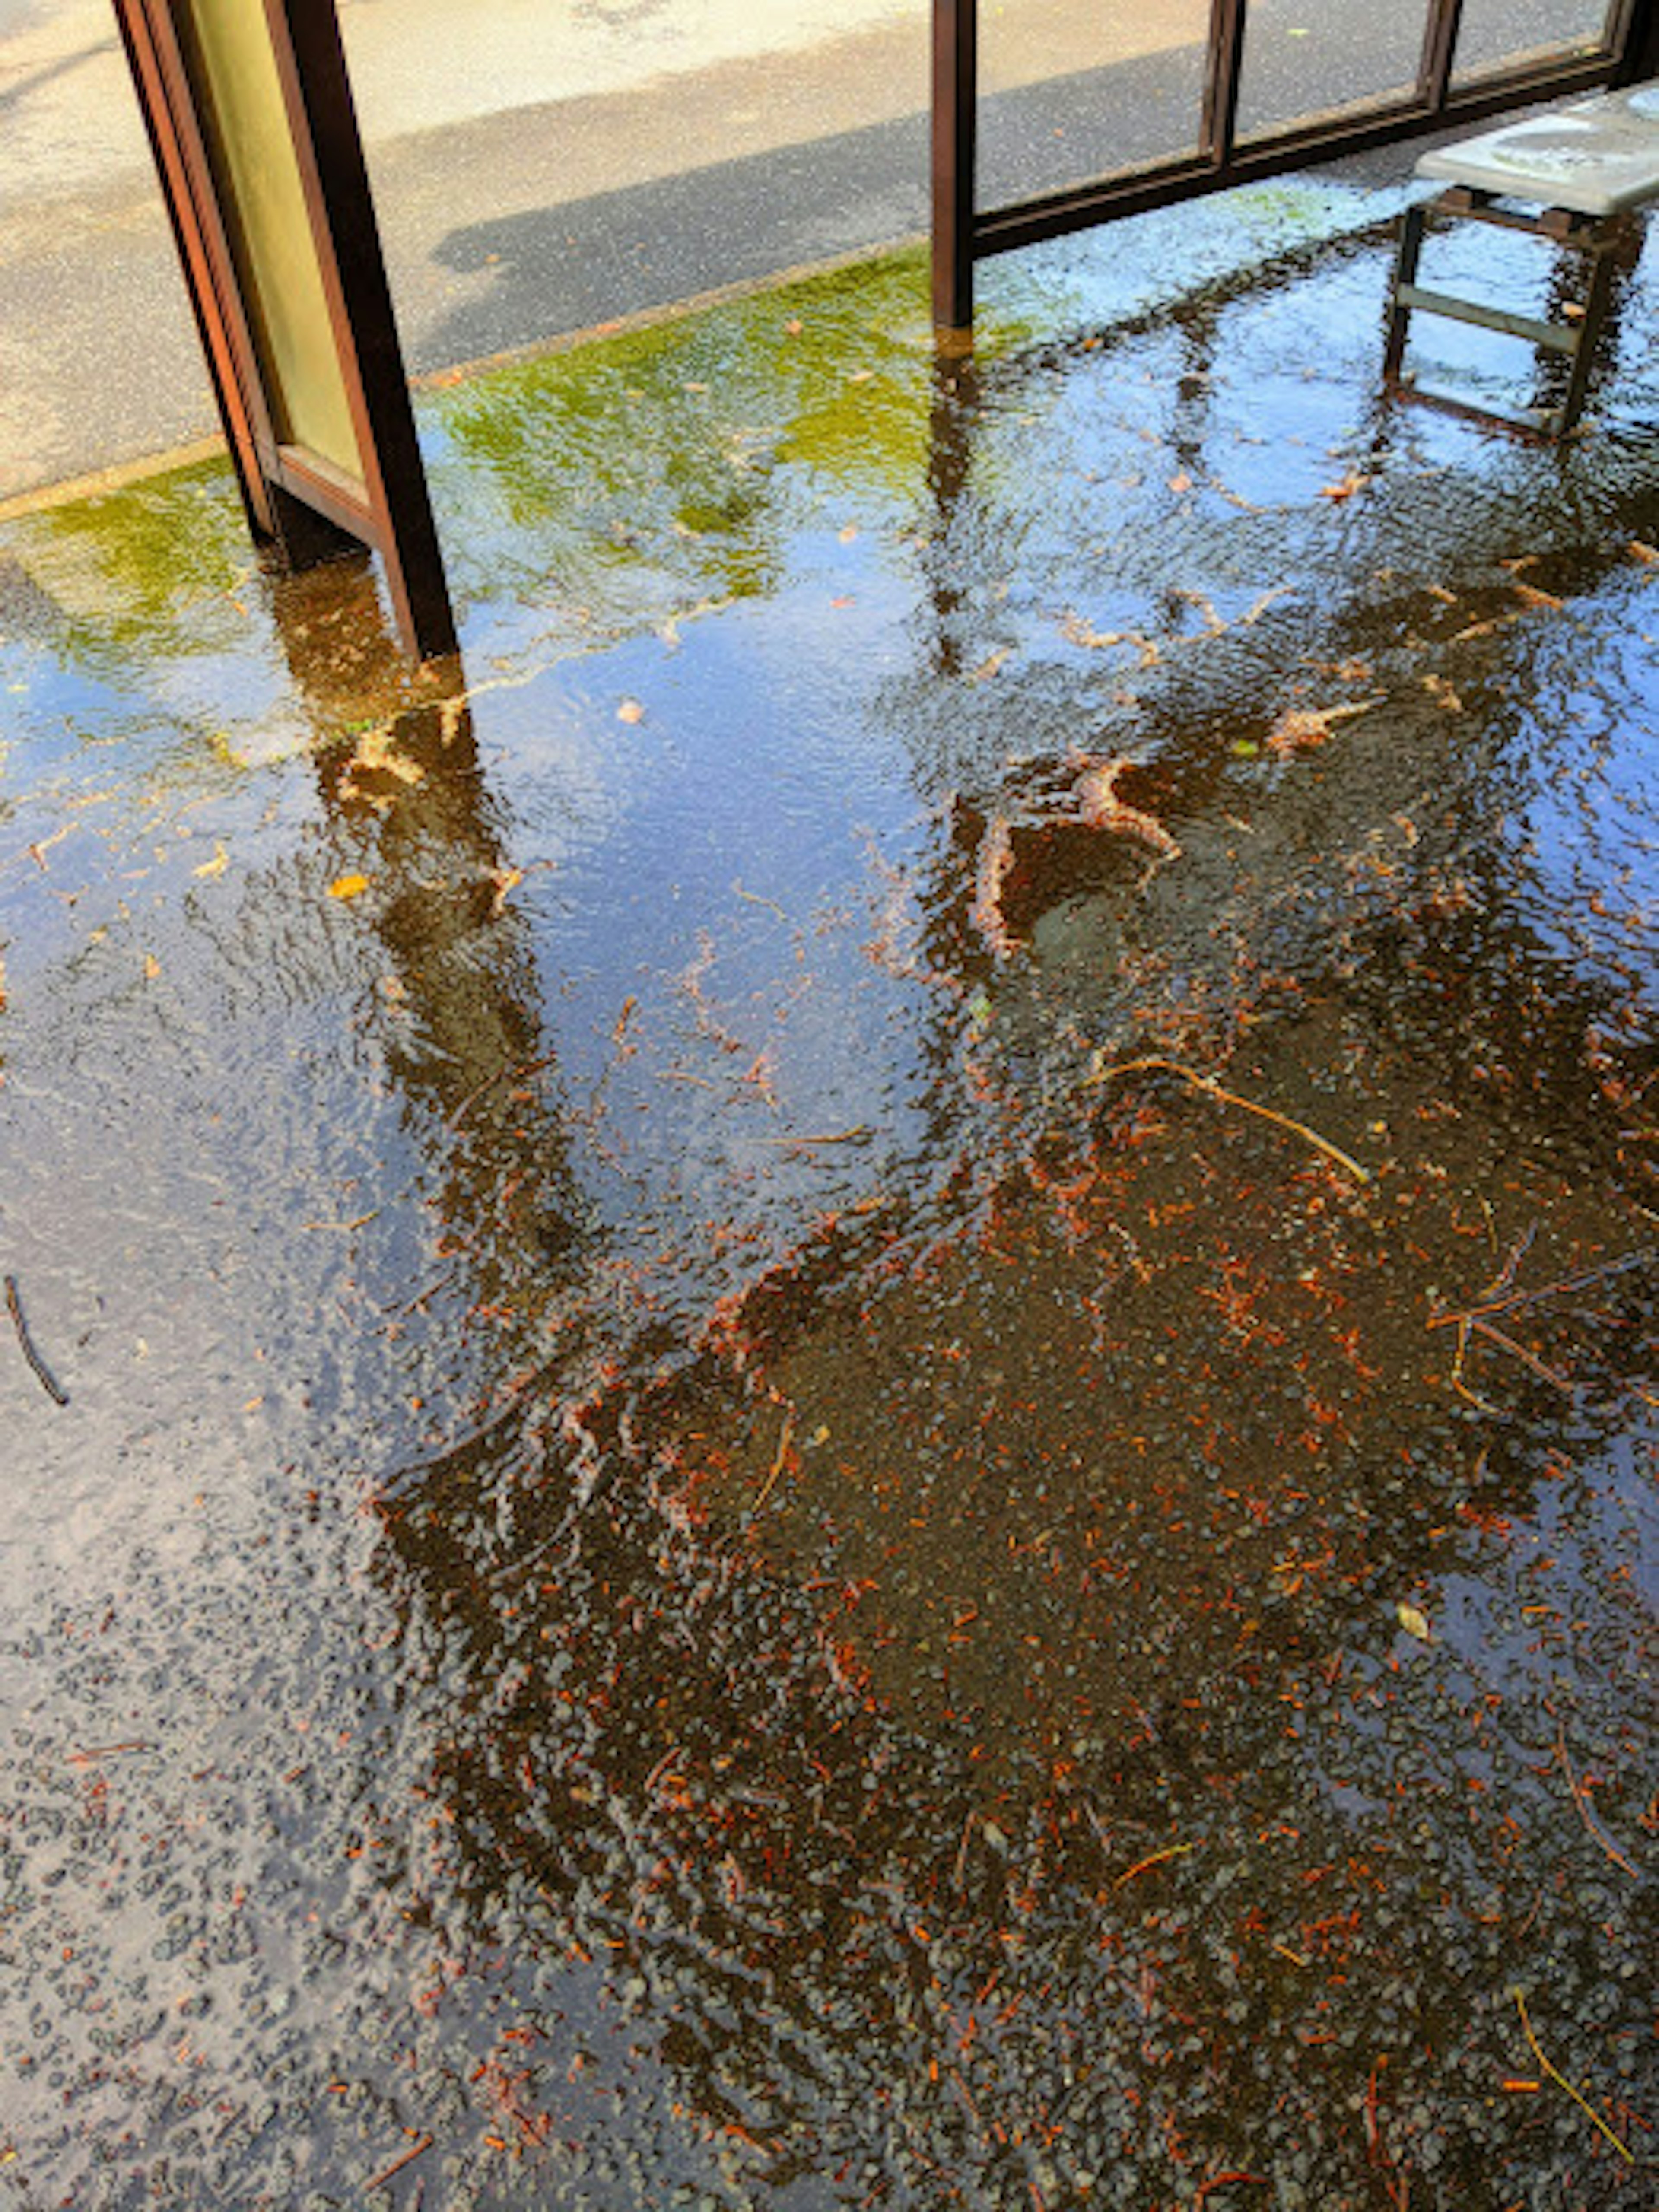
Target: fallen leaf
[
  {"x": 988, "y": 667},
  {"x": 1076, "y": 631},
  {"x": 1180, "y": 482},
  {"x": 1299, "y": 729},
  {"x": 216, "y": 866},
  {"x": 849, "y": 533},
  {"x": 347, "y": 887},
  {"x": 630, "y": 711},
  {"x": 503, "y": 880},
  {"x": 1100, "y": 807},
  {"x": 1413, "y": 1622},
  {"x": 1644, "y": 552},
  {"x": 1349, "y": 484},
  {"x": 1535, "y": 598}
]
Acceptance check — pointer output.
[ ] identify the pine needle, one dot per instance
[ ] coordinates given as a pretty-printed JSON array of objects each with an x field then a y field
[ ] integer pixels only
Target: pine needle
[
  {"x": 1230, "y": 1098},
  {"x": 1560, "y": 2078}
]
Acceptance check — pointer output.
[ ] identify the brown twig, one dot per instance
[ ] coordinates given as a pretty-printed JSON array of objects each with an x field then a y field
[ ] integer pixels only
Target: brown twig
[
  {"x": 397, "y": 2165},
  {"x": 1584, "y": 1814},
  {"x": 43, "y": 1375},
  {"x": 1207, "y": 1083},
  {"x": 502, "y": 1075},
  {"x": 1154, "y": 1858},
  {"x": 770, "y": 1482},
  {"x": 1556, "y": 2077},
  {"x": 1491, "y": 1304},
  {"x": 1526, "y": 1358}
]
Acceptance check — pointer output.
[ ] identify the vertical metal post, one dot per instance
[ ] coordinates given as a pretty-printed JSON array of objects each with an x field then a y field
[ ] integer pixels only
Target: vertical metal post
[
  {"x": 1587, "y": 334},
  {"x": 1224, "y": 63},
  {"x": 955, "y": 123},
  {"x": 1439, "y": 51},
  {"x": 1638, "y": 33},
  {"x": 351, "y": 474},
  {"x": 313, "y": 66},
  {"x": 1405, "y": 276}
]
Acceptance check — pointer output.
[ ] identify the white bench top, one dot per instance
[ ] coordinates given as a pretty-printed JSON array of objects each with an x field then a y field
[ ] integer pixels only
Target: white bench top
[{"x": 1595, "y": 157}]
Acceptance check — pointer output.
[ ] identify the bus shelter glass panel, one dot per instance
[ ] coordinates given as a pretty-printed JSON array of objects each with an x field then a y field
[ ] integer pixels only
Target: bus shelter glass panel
[
  {"x": 1307, "y": 58},
  {"x": 1071, "y": 91},
  {"x": 236, "y": 69},
  {"x": 1495, "y": 35}
]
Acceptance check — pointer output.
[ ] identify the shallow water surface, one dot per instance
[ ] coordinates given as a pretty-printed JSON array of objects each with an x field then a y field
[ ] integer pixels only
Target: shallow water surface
[{"x": 860, "y": 1354}]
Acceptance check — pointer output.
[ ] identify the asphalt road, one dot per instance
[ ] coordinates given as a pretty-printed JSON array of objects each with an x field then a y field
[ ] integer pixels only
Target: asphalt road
[{"x": 569, "y": 167}]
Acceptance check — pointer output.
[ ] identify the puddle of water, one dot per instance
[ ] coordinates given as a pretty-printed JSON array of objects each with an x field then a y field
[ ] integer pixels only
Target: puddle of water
[{"x": 808, "y": 1464}]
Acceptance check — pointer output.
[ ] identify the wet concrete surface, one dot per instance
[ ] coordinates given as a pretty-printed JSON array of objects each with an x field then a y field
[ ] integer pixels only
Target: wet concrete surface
[{"x": 859, "y": 1357}]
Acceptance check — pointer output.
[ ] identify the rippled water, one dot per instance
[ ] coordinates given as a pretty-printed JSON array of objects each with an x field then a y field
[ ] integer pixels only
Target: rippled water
[{"x": 790, "y": 1480}]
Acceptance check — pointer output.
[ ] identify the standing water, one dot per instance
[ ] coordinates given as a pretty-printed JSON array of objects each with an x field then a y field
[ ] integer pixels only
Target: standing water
[{"x": 859, "y": 1364}]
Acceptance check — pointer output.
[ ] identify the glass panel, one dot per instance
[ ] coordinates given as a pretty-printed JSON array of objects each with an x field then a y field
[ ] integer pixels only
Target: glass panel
[
  {"x": 1498, "y": 33},
  {"x": 235, "y": 67},
  {"x": 1071, "y": 90},
  {"x": 1304, "y": 58}
]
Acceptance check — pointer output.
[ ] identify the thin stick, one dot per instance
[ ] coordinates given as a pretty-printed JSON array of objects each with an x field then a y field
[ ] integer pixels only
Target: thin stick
[
  {"x": 962, "y": 1853},
  {"x": 43, "y": 1375},
  {"x": 777, "y": 1464},
  {"x": 1556, "y": 2075},
  {"x": 1231, "y": 1098},
  {"x": 1483, "y": 1307},
  {"x": 1173, "y": 1851},
  {"x": 1618, "y": 1858},
  {"x": 399, "y": 2164},
  {"x": 502, "y": 1075},
  {"x": 1526, "y": 1358},
  {"x": 823, "y": 1137}
]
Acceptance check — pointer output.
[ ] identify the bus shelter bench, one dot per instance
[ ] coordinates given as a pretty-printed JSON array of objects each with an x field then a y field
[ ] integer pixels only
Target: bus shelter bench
[{"x": 1578, "y": 174}]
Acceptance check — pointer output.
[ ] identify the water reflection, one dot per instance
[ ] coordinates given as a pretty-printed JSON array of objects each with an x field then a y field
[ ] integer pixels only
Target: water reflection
[{"x": 1054, "y": 1670}]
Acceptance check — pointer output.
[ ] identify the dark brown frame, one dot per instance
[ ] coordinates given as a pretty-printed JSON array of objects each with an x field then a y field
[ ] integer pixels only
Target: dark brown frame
[
  {"x": 299, "y": 507},
  {"x": 964, "y": 235}
]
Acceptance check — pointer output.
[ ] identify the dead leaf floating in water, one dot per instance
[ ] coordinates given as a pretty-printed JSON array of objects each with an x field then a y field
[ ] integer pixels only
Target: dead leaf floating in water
[
  {"x": 347, "y": 887},
  {"x": 1300, "y": 729},
  {"x": 1101, "y": 808},
  {"x": 1413, "y": 1622}
]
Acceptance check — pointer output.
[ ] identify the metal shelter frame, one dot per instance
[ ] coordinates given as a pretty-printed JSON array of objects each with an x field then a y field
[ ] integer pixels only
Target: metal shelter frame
[
  {"x": 302, "y": 505},
  {"x": 965, "y": 234}
]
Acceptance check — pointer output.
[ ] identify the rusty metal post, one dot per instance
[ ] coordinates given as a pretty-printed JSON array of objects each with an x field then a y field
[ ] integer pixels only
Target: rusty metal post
[
  {"x": 1224, "y": 62},
  {"x": 1638, "y": 36},
  {"x": 306, "y": 501},
  {"x": 955, "y": 124},
  {"x": 1439, "y": 49}
]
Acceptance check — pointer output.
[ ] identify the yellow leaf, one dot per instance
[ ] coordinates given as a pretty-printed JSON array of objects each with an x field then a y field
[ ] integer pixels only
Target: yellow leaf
[
  {"x": 347, "y": 887},
  {"x": 1413, "y": 1622},
  {"x": 217, "y": 865}
]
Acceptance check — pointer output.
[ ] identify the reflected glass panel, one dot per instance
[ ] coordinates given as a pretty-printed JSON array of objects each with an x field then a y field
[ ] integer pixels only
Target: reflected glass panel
[
  {"x": 1305, "y": 59},
  {"x": 1496, "y": 34},
  {"x": 1070, "y": 91}
]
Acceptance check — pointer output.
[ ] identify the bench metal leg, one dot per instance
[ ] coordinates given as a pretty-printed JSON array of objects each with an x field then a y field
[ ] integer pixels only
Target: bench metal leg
[
  {"x": 1411, "y": 226},
  {"x": 1597, "y": 299}
]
